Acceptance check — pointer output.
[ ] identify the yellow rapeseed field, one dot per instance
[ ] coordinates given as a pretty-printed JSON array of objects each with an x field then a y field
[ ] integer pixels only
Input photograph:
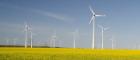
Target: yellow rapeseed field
[{"x": 67, "y": 54}]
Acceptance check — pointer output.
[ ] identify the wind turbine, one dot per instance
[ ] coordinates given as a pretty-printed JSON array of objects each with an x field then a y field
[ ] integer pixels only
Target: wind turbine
[
  {"x": 7, "y": 42},
  {"x": 113, "y": 42},
  {"x": 103, "y": 29},
  {"x": 59, "y": 43},
  {"x": 31, "y": 37},
  {"x": 75, "y": 35},
  {"x": 26, "y": 35},
  {"x": 92, "y": 20},
  {"x": 53, "y": 39},
  {"x": 28, "y": 30},
  {"x": 137, "y": 46},
  {"x": 14, "y": 41}
]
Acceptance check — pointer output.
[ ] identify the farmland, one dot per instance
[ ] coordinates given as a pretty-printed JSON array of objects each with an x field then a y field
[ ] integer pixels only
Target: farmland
[{"x": 67, "y": 54}]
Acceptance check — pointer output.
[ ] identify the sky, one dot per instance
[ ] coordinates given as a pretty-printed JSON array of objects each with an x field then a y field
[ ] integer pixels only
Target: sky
[{"x": 65, "y": 16}]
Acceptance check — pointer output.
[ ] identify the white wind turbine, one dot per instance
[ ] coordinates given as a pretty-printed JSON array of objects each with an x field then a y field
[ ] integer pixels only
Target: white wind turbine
[
  {"x": 94, "y": 15},
  {"x": 60, "y": 43},
  {"x": 136, "y": 46},
  {"x": 112, "y": 42},
  {"x": 75, "y": 37},
  {"x": 31, "y": 37},
  {"x": 7, "y": 42},
  {"x": 102, "y": 29},
  {"x": 53, "y": 39},
  {"x": 26, "y": 35},
  {"x": 14, "y": 41},
  {"x": 28, "y": 30}
]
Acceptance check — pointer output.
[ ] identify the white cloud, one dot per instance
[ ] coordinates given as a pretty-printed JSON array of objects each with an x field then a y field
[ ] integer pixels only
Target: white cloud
[
  {"x": 41, "y": 12},
  {"x": 54, "y": 15}
]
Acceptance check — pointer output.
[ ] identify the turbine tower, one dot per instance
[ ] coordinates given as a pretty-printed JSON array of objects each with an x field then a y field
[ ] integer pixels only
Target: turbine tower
[
  {"x": 31, "y": 37},
  {"x": 26, "y": 35},
  {"x": 103, "y": 29},
  {"x": 14, "y": 42},
  {"x": 92, "y": 20},
  {"x": 112, "y": 42},
  {"x": 53, "y": 39},
  {"x": 75, "y": 37},
  {"x": 7, "y": 42},
  {"x": 28, "y": 30}
]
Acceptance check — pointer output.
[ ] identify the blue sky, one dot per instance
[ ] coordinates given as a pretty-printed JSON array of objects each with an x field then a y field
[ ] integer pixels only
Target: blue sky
[{"x": 64, "y": 16}]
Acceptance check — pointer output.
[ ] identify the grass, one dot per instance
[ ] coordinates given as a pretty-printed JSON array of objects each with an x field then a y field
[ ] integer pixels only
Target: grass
[{"x": 67, "y": 54}]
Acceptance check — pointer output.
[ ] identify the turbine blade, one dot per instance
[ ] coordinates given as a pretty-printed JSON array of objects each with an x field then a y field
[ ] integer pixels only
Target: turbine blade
[
  {"x": 106, "y": 28},
  {"x": 100, "y": 15},
  {"x": 91, "y": 10},
  {"x": 91, "y": 19}
]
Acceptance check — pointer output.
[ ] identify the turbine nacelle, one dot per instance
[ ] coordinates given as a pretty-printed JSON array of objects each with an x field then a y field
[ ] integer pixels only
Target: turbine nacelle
[{"x": 27, "y": 27}]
